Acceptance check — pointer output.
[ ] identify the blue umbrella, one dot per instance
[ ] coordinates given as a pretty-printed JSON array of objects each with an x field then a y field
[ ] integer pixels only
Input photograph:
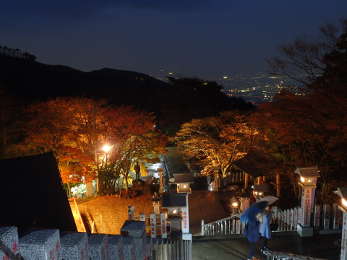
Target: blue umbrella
[{"x": 250, "y": 214}]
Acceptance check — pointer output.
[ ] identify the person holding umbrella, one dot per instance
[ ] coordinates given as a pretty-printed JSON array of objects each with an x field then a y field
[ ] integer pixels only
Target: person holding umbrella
[
  {"x": 264, "y": 226},
  {"x": 249, "y": 217}
]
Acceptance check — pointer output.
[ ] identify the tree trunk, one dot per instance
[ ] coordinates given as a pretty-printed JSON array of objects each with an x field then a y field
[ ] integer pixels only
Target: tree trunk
[
  {"x": 278, "y": 185},
  {"x": 246, "y": 180}
]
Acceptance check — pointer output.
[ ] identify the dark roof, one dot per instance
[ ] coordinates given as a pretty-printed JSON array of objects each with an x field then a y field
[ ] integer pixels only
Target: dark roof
[
  {"x": 174, "y": 162},
  {"x": 308, "y": 171},
  {"x": 257, "y": 163},
  {"x": 173, "y": 200},
  {"x": 32, "y": 195},
  {"x": 183, "y": 178},
  {"x": 265, "y": 187}
]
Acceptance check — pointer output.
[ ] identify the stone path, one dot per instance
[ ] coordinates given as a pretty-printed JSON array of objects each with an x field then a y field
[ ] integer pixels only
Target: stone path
[{"x": 323, "y": 246}]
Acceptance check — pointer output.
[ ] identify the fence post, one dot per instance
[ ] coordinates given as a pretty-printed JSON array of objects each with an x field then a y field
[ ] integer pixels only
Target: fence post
[{"x": 202, "y": 228}]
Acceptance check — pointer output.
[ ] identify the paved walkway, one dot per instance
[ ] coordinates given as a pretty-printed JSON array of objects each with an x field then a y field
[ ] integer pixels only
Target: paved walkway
[{"x": 235, "y": 248}]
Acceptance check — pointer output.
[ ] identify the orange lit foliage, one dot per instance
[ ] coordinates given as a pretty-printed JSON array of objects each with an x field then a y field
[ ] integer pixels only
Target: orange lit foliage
[
  {"x": 217, "y": 141},
  {"x": 75, "y": 129},
  {"x": 306, "y": 130}
]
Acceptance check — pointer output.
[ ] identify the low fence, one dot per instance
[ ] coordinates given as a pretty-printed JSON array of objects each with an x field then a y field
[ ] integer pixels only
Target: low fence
[
  {"x": 325, "y": 219},
  {"x": 132, "y": 244}
]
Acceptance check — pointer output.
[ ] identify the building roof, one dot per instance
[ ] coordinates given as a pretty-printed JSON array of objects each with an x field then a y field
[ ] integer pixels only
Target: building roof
[
  {"x": 32, "y": 194},
  {"x": 308, "y": 171},
  {"x": 183, "y": 178},
  {"x": 257, "y": 163},
  {"x": 174, "y": 162},
  {"x": 173, "y": 200}
]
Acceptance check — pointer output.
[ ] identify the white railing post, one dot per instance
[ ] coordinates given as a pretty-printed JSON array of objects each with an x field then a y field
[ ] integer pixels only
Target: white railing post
[{"x": 202, "y": 233}]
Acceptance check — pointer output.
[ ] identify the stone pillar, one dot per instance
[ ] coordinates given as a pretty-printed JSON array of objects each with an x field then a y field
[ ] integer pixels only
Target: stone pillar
[
  {"x": 74, "y": 246},
  {"x": 185, "y": 216},
  {"x": 128, "y": 248},
  {"x": 136, "y": 231},
  {"x": 153, "y": 224},
  {"x": 308, "y": 179},
  {"x": 98, "y": 246},
  {"x": 9, "y": 237},
  {"x": 115, "y": 247},
  {"x": 342, "y": 192},
  {"x": 41, "y": 244},
  {"x": 344, "y": 237}
]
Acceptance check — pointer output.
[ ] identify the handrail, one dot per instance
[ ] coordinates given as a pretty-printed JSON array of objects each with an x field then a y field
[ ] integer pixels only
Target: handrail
[{"x": 224, "y": 219}]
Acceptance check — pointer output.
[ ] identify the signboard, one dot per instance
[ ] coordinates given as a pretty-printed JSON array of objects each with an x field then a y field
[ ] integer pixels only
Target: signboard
[
  {"x": 307, "y": 205},
  {"x": 153, "y": 224},
  {"x": 185, "y": 220}
]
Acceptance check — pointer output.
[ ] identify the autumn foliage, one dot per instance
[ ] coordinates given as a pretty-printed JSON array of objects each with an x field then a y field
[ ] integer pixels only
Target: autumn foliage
[{"x": 76, "y": 128}]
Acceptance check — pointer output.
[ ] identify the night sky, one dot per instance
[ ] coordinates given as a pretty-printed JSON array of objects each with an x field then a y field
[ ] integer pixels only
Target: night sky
[{"x": 206, "y": 38}]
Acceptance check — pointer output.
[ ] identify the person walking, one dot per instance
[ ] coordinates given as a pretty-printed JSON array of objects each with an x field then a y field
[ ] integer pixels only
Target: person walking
[
  {"x": 252, "y": 235},
  {"x": 265, "y": 229},
  {"x": 251, "y": 232}
]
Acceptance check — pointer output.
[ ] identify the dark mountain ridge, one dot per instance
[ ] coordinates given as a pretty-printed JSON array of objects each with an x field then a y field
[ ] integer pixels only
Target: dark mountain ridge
[
  {"x": 37, "y": 81},
  {"x": 173, "y": 103}
]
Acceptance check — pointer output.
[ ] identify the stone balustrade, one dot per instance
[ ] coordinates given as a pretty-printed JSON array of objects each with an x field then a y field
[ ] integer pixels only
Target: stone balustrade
[{"x": 52, "y": 244}]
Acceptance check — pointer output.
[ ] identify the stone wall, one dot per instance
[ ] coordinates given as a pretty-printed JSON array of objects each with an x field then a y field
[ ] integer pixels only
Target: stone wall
[{"x": 52, "y": 244}]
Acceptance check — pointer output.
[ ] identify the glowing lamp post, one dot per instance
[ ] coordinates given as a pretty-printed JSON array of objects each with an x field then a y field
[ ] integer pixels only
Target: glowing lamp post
[
  {"x": 235, "y": 205},
  {"x": 342, "y": 193},
  {"x": 307, "y": 180},
  {"x": 106, "y": 148}
]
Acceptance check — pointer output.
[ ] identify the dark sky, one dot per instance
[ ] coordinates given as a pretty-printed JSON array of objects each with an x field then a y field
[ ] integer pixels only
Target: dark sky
[{"x": 206, "y": 38}]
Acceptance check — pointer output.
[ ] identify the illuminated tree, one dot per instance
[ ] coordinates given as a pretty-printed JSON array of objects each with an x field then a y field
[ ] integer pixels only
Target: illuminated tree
[
  {"x": 76, "y": 128},
  {"x": 216, "y": 141}
]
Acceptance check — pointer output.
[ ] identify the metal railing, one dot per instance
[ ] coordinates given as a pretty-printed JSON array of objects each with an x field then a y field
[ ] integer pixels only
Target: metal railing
[
  {"x": 226, "y": 226},
  {"x": 324, "y": 218}
]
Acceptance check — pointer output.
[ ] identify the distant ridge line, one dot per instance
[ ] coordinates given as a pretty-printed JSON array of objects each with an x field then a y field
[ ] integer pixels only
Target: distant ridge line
[{"x": 16, "y": 53}]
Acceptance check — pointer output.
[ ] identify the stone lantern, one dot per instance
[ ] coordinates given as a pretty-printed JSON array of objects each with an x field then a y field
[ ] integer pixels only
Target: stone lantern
[
  {"x": 342, "y": 193},
  {"x": 261, "y": 190},
  {"x": 307, "y": 180},
  {"x": 183, "y": 181},
  {"x": 177, "y": 207}
]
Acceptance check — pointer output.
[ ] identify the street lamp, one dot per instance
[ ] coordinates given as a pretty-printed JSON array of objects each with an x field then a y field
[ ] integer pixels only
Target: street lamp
[
  {"x": 100, "y": 159},
  {"x": 106, "y": 148},
  {"x": 235, "y": 204}
]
